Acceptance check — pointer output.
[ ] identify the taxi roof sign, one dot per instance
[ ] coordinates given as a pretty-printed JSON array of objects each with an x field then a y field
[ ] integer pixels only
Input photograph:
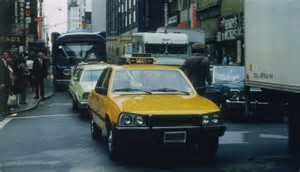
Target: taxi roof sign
[{"x": 140, "y": 60}]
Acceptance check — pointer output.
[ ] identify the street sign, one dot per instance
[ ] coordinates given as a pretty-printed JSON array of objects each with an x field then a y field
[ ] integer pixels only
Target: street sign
[{"x": 38, "y": 19}]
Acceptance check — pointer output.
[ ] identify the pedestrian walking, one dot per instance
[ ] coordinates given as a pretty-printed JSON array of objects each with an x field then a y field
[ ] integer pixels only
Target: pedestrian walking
[
  {"x": 21, "y": 83},
  {"x": 39, "y": 72},
  {"x": 197, "y": 68},
  {"x": 4, "y": 84}
]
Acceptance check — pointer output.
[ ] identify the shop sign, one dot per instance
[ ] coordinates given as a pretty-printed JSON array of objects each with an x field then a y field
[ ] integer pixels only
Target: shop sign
[
  {"x": 27, "y": 12},
  {"x": 12, "y": 39},
  {"x": 38, "y": 19},
  {"x": 231, "y": 28},
  {"x": 183, "y": 25},
  {"x": 193, "y": 16},
  {"x": 172, "y": 20}
]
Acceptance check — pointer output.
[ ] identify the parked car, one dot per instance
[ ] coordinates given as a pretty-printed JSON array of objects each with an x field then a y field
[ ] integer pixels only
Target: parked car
[
  {"x": 142, "y": 104},
  {"x": 227, "y": 89},
  {"x": 83, "y": 80}
]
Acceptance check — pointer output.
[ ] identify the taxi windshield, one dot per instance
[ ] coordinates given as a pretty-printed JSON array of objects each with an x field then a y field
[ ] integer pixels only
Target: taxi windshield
[
  {"x": 151, "y": 81},
  {"x": 91, "y": 75}
]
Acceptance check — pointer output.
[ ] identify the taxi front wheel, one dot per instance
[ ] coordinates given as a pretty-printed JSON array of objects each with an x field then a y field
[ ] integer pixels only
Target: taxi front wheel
[
  {"x": 95, "y": 130},
  {"x": 112, "y": 146},
  {"x": 208, "y": 149}
]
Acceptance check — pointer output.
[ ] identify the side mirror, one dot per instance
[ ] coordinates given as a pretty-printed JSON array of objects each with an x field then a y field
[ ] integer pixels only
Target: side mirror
[
  {"x": 60, "y": 47},
  {"x": 101, "y": 90}
]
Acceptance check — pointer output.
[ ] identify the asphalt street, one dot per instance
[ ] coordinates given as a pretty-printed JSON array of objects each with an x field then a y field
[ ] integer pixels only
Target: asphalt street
[{"x": 53, "y": 137}]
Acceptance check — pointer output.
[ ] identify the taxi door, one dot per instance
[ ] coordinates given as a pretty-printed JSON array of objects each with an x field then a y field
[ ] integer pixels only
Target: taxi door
[{"x": 100, "y": 103}]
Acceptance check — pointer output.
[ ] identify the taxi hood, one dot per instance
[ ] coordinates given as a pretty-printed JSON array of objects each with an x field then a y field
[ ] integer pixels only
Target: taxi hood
[{"x": 165, "y": 104}]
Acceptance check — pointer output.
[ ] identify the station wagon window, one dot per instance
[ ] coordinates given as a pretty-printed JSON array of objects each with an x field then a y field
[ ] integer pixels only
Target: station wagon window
[
  {"x": 78, "y": 73},
  {"x": 91, "y": 75}
]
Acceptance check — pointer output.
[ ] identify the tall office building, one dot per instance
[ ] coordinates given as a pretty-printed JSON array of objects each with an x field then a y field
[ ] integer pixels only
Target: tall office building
[
  {"x": 126, "y": 16},
  {"x": 76, "y": 13},
  {"x": 99, "y": 15}
]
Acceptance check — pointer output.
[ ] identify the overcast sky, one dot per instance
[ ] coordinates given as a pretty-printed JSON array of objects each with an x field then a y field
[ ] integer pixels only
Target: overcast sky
[{"x": 56, "y": 15}]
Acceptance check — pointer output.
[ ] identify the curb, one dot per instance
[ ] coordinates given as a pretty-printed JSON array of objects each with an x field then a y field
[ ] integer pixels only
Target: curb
[{"x": 30, "y": 108}]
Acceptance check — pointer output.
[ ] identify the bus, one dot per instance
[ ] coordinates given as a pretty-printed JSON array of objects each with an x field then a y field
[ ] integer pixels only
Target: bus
[
  {"x": 72, "y": 48},
  {"x": 166, "y": 48}
]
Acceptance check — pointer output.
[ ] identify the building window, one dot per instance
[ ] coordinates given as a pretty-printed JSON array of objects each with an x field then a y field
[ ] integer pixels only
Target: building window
[
  {"x": 134, "y": 2},
  {"x": 126, "y": 5},
  {"x": 134, "y": 16},
  {"x": 130, "y": 19},
  {"x": 125, "y": 20},
  {"x": 129, "y": 4}
]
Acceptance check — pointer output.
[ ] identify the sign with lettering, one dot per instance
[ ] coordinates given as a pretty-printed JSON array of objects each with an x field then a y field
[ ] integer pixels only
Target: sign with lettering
[
  {"x": 11, "y": 39},
  {"x": 194, "y": 16},
  {"x": 231, "y": 28},
  {"x": 27, "y": 12}
]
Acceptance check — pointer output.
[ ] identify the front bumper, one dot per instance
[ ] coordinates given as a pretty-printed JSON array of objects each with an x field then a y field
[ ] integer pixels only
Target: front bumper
[
  {"x": 238, "y": 104},
  {"x": 82, "y": 105},
  {"x": 157, "y": 135}
]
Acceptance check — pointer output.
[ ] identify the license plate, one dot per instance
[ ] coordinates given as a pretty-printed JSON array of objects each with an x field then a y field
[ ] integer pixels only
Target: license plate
[{"x": 175, "y": 137}]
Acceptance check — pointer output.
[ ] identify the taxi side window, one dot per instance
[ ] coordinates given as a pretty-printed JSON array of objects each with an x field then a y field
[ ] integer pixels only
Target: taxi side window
[
  {"x": 106, "y": 82},
  {"x": 101, "y": 78}
]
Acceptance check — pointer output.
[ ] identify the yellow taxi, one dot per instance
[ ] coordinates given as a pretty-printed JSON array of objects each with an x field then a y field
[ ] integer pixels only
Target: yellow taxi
[{"x": 152, "y": 104}]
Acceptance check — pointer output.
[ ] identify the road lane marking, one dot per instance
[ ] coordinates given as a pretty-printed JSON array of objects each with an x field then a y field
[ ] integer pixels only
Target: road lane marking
[
  {"x": 7, "y": 120},
  {"x": 4, "y": 122},
  {"x": 234, "y": 137},
  {"x": 12, "y": 115},
  {"x": 43, "y": 116},
  {"x": 60, "y": 104},
  {"x": 273, "y": 136},
  {"x": 28, "y": 163}
]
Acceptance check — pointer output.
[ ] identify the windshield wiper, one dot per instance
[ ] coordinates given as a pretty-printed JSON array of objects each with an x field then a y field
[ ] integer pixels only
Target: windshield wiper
[
  {"x": 131, "y": 90},
  {"x": 170, "y": 90}
]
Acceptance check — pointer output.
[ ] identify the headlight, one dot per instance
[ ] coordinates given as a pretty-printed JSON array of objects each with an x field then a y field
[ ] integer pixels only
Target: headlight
[
  {"x": 131, "y": 120},
  {"x": 211, "y": 119},
  {"x": 139, "y": 120},
  {"x": 67, "y": 72},
  {"x": 85, "y": 96},
  {"x": 205, "y": 120},
  {"x": 215, "y": 119},
  {"x": 126, "y": 120}
]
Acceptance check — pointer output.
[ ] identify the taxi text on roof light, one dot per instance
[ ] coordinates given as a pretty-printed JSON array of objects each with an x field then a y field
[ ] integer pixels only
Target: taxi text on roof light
[{"x": 140, "y": 59}]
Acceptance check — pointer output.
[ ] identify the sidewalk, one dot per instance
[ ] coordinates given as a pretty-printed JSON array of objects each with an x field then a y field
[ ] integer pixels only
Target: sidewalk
[{"x": 31, "y": 102}]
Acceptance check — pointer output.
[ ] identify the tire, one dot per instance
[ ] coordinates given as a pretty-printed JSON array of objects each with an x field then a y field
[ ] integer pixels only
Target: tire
[
  {"x": 95, "y": 130},
  {"x": 208, "y": 149},
  {"x": 112, "y": 146},
  {"x": 74, "y": 105}
]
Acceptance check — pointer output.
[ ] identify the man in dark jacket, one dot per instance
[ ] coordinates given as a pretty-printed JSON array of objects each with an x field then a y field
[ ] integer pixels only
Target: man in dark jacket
[
  {"x": 4, "y": 84},
  {"x": 197, "y": 68},
  {"x": 39, "y": 72}
]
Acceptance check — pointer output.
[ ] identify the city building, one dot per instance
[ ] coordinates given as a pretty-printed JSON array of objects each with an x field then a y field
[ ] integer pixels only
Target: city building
[
  {"x": 99, "y": 15},
  {"x": 222, "y": 21},
  {"x": 18, "y": 26},
  {"x": 230, "y": 34},
  {"x": 79, "y": 15},
  {"x": 127, "y": 16}
]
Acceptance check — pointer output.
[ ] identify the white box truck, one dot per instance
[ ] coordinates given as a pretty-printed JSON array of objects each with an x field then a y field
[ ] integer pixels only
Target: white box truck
[{"x": 272, "y": 55}]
